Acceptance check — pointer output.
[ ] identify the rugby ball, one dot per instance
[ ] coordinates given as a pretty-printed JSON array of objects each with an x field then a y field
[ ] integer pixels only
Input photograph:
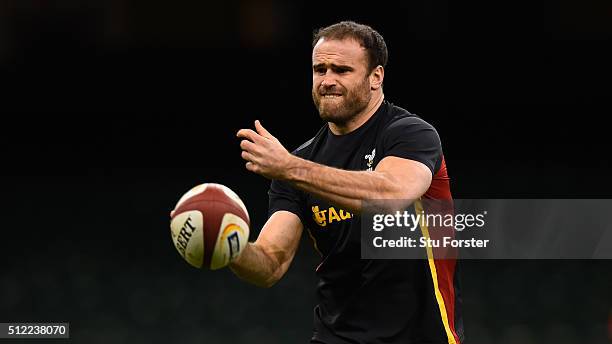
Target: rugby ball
[{"x": 209, "y": 226}]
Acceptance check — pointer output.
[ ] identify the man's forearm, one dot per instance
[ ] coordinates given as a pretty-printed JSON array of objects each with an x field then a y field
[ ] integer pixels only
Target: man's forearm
[
  {"x": 255, "y": 266},
  {"x": 346, "y": 189}
]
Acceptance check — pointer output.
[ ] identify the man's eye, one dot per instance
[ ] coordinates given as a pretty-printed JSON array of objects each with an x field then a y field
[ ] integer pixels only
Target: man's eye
[{"x": 320, "y": 70}]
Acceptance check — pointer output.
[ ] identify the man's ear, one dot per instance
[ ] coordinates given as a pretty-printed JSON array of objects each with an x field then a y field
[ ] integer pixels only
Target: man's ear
[{"x": 376, "y": 77}]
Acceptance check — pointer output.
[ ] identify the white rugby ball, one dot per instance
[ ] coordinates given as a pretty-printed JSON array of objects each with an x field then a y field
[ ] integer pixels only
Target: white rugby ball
[{"x": 210, "y": 226}]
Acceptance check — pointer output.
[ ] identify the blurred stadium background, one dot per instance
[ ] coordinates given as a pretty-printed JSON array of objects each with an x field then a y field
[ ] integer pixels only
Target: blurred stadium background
[{"x": 112, "y": 109}]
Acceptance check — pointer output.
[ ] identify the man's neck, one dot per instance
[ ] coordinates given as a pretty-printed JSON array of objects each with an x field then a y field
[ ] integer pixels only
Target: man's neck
[{"x": 359, "y": 119}]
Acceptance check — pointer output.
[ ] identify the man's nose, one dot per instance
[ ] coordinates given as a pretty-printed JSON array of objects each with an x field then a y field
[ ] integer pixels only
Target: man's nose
[{"x": 329, "y": 80}]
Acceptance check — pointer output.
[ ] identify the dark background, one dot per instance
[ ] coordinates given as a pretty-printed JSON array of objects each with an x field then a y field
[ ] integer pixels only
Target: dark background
[{"x": 111, "y": 110}]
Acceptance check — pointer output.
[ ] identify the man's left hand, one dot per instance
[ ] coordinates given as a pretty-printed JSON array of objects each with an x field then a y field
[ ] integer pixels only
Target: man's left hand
[{"x": 264, "y": 154}]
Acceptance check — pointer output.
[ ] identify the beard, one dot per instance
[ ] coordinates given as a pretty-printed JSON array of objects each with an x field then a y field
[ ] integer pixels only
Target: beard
[{"x": 340, "y": 110}]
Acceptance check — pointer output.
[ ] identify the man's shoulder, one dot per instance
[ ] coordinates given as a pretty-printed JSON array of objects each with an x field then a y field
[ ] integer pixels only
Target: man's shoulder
[{"x": 398, "y": 117}]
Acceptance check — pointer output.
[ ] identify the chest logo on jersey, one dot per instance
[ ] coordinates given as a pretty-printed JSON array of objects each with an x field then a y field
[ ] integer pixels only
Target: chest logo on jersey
[
  {"x": 328, "y": 216},
  {"x": 370, "y": 159}
]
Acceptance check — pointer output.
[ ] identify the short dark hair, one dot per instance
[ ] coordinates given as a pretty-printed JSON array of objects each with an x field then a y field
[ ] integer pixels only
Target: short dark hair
[{"x": 370, "y": 39}]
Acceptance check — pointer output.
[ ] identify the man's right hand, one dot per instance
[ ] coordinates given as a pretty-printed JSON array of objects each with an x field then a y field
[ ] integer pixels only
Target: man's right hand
[{"x": 266, "y": 260}]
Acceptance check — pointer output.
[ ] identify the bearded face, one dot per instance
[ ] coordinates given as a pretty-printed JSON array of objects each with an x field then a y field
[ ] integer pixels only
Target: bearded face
[
  {"x": 339, "y": 104},
  {"x": 341, "y": 87}
]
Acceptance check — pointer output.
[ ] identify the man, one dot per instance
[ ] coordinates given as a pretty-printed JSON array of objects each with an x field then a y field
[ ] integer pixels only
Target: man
[{"x": 369, "y": 149}]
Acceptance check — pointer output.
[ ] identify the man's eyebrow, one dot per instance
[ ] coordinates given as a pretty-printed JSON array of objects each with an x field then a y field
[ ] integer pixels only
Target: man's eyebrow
[{"x": 333, "y": 66}]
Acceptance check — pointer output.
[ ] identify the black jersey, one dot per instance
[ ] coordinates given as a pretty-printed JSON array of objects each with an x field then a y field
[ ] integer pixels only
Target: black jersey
[{"x": 374, "y": 301}]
